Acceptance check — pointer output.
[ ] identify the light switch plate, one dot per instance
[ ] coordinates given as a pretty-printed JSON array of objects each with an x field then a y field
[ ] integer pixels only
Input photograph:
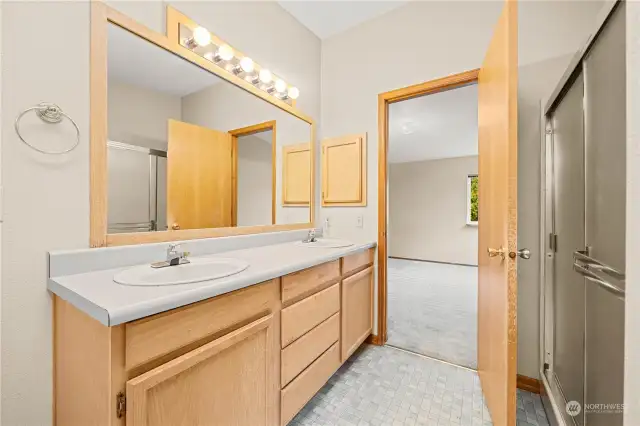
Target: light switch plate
[{"x": 359, "y": 221}]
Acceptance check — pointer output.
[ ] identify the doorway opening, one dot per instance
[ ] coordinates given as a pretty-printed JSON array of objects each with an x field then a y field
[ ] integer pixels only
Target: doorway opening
[
  {"x": 254, "y": 174},
  {"x": 432, "y": 223},
  {"x": 432, "y": 231}
]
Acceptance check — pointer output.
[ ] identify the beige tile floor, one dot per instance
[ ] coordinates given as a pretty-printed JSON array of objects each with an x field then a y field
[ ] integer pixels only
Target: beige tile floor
[
  {"x": 432, "y": 311},
  {"x": 384, "y": 386}
]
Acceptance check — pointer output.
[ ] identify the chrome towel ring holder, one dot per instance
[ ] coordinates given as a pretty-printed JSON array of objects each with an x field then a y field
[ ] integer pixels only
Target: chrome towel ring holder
[{"x": 51, "y": 114}]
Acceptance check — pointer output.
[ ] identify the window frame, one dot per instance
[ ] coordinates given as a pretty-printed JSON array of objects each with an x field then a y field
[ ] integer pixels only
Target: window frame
[{"x": 470, "y": 222}]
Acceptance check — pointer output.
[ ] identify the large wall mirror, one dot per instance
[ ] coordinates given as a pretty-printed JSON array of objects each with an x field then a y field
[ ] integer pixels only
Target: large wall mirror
[{"x": 190, "y": 154}]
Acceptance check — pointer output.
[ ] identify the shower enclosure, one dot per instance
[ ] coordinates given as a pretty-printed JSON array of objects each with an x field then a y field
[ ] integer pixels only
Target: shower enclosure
[
  {"x": 137, "y": 188},
  {"x": 583, "y": 216}
]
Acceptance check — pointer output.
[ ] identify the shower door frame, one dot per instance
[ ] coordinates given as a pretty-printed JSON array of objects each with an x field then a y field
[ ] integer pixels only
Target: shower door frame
[{"x": 551, "y": 392}]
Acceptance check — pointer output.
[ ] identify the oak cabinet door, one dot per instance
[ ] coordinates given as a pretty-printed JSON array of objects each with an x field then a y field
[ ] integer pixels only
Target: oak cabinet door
[
  {"x": 296, "y": 175},
  {"x": 344, "y": 171},
  {"x": 227, "y": 382},
  {"x": 357, "y": 310}
]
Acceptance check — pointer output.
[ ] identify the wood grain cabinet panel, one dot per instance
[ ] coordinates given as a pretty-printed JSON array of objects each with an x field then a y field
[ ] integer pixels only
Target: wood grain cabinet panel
[
  {"x": 357, "y": 311},
  {"x": 296, "y": 175},
  {"x": 301, "y": 317},
  {"x": 227, "y": 381},
  {"x": 307, "y": 384},
  {"x": 298, "y": 355},
  {"x": 305, "y": 282},
  {"x": 344, "y": 171},
  {"x": 152, "y": 337},
  {"x": 358, "y": 260}
]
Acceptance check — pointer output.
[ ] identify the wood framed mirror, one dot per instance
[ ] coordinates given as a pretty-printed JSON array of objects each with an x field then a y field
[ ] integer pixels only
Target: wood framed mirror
[{"x": 183, "y": 147}]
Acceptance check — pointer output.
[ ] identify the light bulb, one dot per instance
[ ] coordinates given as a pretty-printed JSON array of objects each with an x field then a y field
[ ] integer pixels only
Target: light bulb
[
  {"x": 225, "y": 52},
  {"x": 281, "y": 86},
  {"x": 246, "y": 64},
  {"x": 201, "y": 36},
  {"x": 293, "y": 92},
  {"x": 265, "y": 76}
]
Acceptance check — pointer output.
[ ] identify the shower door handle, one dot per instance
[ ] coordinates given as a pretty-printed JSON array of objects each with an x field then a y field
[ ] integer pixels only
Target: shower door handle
[{"x": 590, "y": 276}]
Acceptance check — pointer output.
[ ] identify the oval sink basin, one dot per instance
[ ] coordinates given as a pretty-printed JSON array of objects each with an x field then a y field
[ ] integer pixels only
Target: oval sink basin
[
  {"x": 326, "y": 243},
  {"x": 202, "y": 269}
]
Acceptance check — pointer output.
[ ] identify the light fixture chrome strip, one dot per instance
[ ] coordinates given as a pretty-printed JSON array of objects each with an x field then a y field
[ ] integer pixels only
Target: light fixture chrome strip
[{"x": 203, "y": 43}]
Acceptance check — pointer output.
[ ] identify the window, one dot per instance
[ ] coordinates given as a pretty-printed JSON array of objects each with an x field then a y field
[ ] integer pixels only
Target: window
[{"x": 472, "y": 200}]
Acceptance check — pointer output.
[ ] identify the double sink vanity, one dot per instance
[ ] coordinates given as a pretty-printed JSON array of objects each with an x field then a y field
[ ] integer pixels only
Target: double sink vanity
[
  {"x": 249, "y": 348},
  {"x": 198, "y": 303}
]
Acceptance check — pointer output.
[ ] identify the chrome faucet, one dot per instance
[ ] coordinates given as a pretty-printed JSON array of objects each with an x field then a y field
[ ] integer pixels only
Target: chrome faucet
[
  {"x": 311, "y": 237},
  {"x": 174, "y": 257}
]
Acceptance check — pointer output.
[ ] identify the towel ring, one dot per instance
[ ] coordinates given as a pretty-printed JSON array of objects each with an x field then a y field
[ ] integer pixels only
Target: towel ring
[{"x": 51, "y": 114}]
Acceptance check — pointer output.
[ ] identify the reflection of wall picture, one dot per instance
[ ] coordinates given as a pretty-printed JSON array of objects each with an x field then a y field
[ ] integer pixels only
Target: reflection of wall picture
[
  {"x": 344, "y": 171},
  {"x": 193, "y": 151}
]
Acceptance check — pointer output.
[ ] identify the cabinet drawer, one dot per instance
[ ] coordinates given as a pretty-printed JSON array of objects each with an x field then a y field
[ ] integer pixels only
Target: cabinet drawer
[
  {"x": 298, "y": 355},
  {"x": 306, "y": 282},
  {"x": 307, "y": 384},
  {"x": 357, "y": 260},
  {"x": 301, "y": 317},
  {"x": 158, "y": 335}
]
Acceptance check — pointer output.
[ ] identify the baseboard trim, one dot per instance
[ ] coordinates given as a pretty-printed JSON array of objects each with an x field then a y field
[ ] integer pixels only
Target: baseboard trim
[
  {"x": 529, "y": 384},
  {"x": 432, "y": 261}
]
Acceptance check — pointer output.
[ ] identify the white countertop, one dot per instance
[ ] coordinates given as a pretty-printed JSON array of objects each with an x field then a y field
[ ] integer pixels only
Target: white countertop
[{"x": 96, "y": 294}]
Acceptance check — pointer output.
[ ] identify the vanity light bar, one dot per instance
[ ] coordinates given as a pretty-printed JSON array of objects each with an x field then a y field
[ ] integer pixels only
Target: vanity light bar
[{"x": 223, "y": 55}]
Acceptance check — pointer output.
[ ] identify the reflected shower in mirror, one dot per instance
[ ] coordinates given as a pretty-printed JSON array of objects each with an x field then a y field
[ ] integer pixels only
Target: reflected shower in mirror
[{"x": 189, "y": 150}]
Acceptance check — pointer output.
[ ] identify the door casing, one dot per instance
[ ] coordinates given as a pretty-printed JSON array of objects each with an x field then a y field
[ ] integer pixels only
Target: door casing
[{"x": 384, "y": 100}]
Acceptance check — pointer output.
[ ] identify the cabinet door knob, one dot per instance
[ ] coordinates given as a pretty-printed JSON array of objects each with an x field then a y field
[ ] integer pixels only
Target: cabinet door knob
[{"x": 175, "y": 227}]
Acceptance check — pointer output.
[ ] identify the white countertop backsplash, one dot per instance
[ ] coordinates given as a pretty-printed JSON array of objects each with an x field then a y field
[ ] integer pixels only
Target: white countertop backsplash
[{"x": 84, "y": 278}]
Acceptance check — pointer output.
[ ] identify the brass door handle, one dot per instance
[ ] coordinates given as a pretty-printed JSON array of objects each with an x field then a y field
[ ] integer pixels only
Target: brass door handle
[
  {"x": 175, "y": 227},
  {"x": 497, "y": 252}
]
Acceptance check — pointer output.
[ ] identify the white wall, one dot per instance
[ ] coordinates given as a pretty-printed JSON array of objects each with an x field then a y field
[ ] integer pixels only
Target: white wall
[
  {"x": 632, "y": 304},
  {"x": 428, "y": 211},
  {"x": 46, "y": 204},
  {"x": 140, "y": 116},
  {"x": 46, "y": 198},
  {"x": 405, "y": 47},
  {"x": 254, "y": 181}
]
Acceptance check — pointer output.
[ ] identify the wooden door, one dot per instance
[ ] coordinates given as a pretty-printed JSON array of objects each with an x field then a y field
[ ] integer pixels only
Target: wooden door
[
  {"x": 230, "y": 381},
  {"x": 344, "y": 171},
  {"x": 296, "y": 174},
  {"x": 357, "y": 311},
  {"x": 497, "y": 226},
  {"x": 199, "y": 177}
]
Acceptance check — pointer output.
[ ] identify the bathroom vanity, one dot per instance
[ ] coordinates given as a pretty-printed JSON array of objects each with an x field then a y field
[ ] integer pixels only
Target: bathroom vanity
[
  {"x": 250, "y": 356},
  {"x": 248, "y": 331}
]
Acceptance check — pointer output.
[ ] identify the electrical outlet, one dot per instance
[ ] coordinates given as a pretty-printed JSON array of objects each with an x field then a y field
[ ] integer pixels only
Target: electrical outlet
[{"x": 359, "y": 221}]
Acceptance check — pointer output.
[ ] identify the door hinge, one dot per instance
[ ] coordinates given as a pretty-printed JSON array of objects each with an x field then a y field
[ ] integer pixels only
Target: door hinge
[
  {"x": 121, "y": 404},
  {"x": 553, "y": 242}
]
